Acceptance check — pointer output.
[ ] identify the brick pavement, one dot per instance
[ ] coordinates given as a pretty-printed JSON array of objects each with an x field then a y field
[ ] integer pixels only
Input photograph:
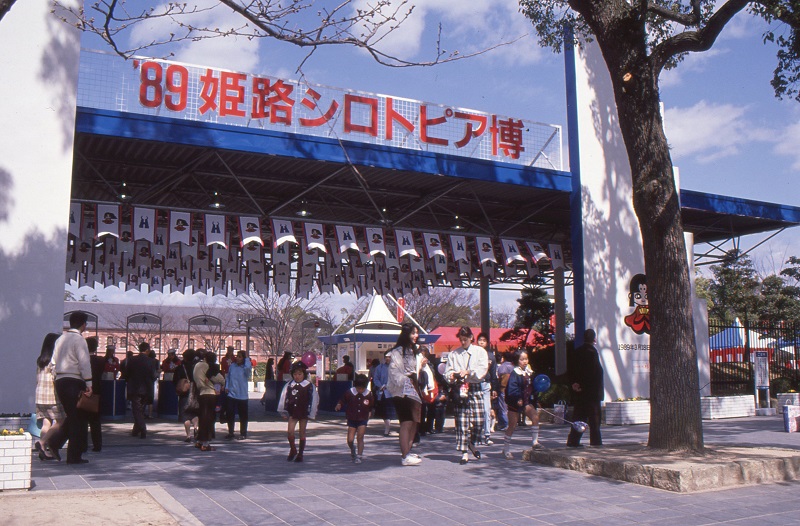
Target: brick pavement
[{"x": 250, "y": 482}]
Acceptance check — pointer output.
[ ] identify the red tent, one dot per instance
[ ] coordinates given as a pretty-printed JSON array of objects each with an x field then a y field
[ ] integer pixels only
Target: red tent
[{"x": 448, "y": 340}]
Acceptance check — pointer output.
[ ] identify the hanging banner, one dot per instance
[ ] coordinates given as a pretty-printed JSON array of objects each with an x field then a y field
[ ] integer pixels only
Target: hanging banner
[
  {"x": 376, "y": 242},
  {"x": 250, "y": 230},
  {"x": 556, "y": 257},
  {"x": 315, "y": 237},
  {"x": 346, "y": 238},
  {"x": 75, "y": 219},
  {"x": 485, "y": 249},
  {"x": 216, "y": 230},
  {"x": 107, "y": 220},
  {"x": 144, "y": 224},
  {"x": 536, "y": 250},
  {"x": 458, "y": 246},
  {"x": 283, "y": 232},
  {"x": 405, "y": 243},
  {"x": 511, "y": 251},
  {"x": 179, "y": 227},
  {"x": 433, "y": 245}
]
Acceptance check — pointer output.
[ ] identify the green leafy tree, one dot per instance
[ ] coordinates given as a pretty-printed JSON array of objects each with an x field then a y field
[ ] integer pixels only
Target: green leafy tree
[
  {"x": 638, "y": 40},
  {"x": 734, "y": 289},
  {"x": 779, "y": 302}
]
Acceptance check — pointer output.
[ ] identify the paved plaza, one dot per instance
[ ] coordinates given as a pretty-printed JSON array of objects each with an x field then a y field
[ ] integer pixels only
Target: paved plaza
[{"x": 250, "y": 482}]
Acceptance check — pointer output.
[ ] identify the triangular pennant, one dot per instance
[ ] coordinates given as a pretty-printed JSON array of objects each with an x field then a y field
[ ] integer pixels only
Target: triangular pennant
[
  {"x": 405, "y": 243},
  {"x": 511, "y": 251},
  {"x": 315, "y": 236},
  {"x": 536, "y": 250},
  {"x": 216, "y": 230},
  {"x": 485, "y": 249},
  {"x": 433, "y": 245},
  {"x": 75, "y": 219},
  {"x": 346, "y": 238},
  {"x": 376, "y": 242},
  {"x": 144, "y": 224},
  {"x": 458, "y": 247},
  {"x": 283, "y": 231},
  {"x": 108, "y": 220},
  {"x": 556, "y": 257},
  {"x": 180, "y": 227}
]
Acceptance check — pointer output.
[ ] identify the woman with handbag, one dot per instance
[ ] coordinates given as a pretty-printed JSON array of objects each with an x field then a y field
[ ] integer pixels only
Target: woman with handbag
[
  {"x": 465, "y": 369},
  {"x": 403, "y": 386},
  {"x": 206, "y": 374},
  {"x": 182, "y": 379}
]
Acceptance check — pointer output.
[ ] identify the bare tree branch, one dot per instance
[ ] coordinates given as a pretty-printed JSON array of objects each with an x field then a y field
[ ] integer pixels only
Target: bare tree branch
[
  {"x": 700, "y": 40},
  {"x": 343, "y": 24}
]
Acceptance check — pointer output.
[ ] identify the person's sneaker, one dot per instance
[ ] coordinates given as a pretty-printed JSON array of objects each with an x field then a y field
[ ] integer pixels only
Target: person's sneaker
[
  {"x": 537, "y": 445},
  {"x": 413, "y": 455},
  {"x": 508, "y": 456},
  {"x": 299, "y": 457},
  {"x": 241, "y": 437},
  {"x": 229, "y": 436},
  {"x": 291, "y": 456},
  {"x": 489, "y": 442},
  {"x": 410, "y": 460},
  {"x": 357, "y": 460}
]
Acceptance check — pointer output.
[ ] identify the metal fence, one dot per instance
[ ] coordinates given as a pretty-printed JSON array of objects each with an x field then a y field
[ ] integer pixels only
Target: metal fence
[{"x": 732, "y": 347}]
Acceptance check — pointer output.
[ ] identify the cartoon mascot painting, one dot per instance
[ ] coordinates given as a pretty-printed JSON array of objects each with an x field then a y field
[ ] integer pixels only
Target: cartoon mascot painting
[{"x": 639, "y": 319}]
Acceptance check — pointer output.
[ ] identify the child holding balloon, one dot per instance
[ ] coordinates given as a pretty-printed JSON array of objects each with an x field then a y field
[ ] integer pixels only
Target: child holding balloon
[
  {"x": 298, "y": 403},
  {"x": 520, "y": 398}
]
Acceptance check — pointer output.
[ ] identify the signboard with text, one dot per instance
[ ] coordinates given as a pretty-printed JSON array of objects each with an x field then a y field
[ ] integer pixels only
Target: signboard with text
[{"x": 177, "y": 90}]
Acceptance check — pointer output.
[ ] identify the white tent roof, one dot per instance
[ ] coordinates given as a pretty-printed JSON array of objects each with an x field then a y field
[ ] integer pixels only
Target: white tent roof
[{"x": 377, "y": 319}]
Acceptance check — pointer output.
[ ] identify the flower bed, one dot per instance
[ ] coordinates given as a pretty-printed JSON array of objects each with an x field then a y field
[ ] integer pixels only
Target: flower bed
[
  {"x": 787, "y": 399},
  {"x": 627, "y": 412},
  {"x": 713, "y": 407},
  {"x": 15, "y": 460}
]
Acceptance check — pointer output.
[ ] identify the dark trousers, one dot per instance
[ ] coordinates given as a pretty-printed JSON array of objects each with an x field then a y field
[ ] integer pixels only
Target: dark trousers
[
  {"x": 233, "y": 406},
  {"x": 439, "y": 415},
  {"x": 137, "y": 408},
  {"x": 426, "y": 422},
  {"x": 94, "y": 430},
  {"x": 588, "y": 412},
  {"x": 74, "y": 427},
  {"x": 205, "y": 425}
]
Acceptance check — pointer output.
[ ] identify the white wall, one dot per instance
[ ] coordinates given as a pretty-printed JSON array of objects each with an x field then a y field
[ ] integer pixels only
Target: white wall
[
  {"x": 612, "y": 248},
  {"x": 611, "y": 239},
  {"x": 39, "y": 57}
]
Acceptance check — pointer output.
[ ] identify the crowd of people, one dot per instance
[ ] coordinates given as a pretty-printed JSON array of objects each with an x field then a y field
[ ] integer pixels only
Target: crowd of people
[{"x": 486, "y": 391}]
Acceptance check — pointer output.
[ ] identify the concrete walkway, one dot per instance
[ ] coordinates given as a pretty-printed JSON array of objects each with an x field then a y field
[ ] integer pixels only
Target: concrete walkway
[{"x": 250, "y": 482}]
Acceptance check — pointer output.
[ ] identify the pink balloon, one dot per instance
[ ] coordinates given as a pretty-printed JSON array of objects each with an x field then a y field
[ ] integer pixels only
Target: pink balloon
[
  {"x": 441, "y": 368},
  {"x": 309, "y": 359}
]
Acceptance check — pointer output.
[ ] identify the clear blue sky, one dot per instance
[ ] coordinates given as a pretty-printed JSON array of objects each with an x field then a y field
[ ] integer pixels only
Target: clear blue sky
[{"x": 728, "y": 132}]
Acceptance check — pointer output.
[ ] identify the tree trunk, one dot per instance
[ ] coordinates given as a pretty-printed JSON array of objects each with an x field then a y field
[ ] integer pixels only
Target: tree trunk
[{"x": 675, "y": 422}]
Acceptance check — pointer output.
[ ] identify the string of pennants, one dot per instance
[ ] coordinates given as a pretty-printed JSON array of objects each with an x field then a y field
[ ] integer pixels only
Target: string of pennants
[{"x": 169, "y": 250}]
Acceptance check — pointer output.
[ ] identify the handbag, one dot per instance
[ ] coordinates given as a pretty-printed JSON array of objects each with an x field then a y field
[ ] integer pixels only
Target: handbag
[
  {"x": 193, "y": 404},
  {"x": 89, "y": 403},
  {"x": 183, "y": 385}
]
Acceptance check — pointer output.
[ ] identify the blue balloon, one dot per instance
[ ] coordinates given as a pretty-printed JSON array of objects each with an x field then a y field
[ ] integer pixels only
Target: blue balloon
[{"x": 541, "y": 383}]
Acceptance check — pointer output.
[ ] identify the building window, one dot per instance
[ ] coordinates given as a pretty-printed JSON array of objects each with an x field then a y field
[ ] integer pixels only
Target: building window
[
  {"x": 237, "y": 344},
  {"x": 109, "y": 341},
  {"x": 191, "y": 343},
  {"x": 123, "y": 342},
  {"x": 157, "y": 343},
  {"x": 250, "y": 345},
  {"x": 175, "y": 343}
]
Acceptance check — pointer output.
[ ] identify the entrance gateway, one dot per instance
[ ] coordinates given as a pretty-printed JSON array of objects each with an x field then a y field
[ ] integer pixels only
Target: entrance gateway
[{"x": 136, "y": 150}]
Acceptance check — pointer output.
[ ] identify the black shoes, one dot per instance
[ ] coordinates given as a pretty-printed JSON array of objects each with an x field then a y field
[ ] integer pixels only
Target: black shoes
[{"x": 79, "y": 461}]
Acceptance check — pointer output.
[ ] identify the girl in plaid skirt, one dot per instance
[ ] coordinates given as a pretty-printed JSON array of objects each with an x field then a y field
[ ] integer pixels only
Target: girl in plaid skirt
[{"x": 465, "y": 368}]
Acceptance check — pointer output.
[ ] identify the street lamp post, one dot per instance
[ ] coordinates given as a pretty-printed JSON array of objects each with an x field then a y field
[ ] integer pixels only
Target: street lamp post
[{"x": 260, "y": 323}]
